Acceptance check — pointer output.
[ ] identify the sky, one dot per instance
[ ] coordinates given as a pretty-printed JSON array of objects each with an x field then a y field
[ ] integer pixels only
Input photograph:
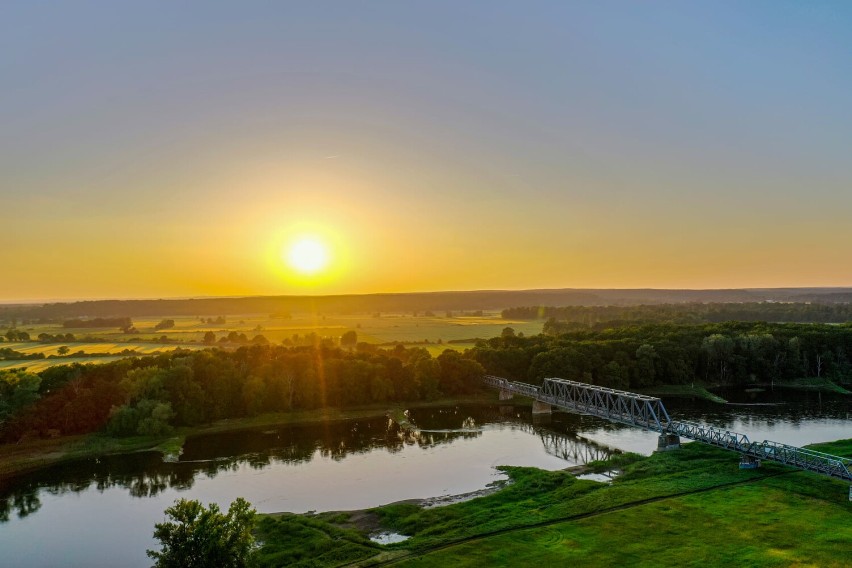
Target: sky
[{"x": 173, "y": 149}]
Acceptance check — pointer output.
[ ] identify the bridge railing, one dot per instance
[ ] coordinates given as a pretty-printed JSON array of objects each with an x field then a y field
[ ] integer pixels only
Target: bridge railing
[
  {"x": 710, "y": 435},
  {"x": 810, "y": 460},
  {"x": 524, "y": 389}
]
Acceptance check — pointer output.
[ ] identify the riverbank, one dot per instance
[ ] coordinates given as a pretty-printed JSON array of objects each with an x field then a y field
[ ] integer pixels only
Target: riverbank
[
  {"x": 28, "y": 456},
  {"x": 683, "y": 391},
  {"x": 814, "y": 384},
  {"x": 681, "y": 508}
]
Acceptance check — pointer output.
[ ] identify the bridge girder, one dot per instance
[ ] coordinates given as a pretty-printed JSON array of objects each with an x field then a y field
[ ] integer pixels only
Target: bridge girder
[{"x": 649, "y": 413}]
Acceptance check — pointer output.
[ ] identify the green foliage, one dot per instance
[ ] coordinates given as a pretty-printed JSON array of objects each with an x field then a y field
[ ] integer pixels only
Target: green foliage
[
  {"x": 814, "y": 384},
  {"x": 149, "y": 396},
  {"x": 17, "y": 390},
  {"x": 165, "y": 324},
  {"x": 733, "y": 353},
  {"x": 196, "y": 537},
  {"x": 146, "y": 418},
  {"x": 349, "y": 339},
  {"x": 568, "y": 318},
  {"x": 9, "y": 354},
  {"x": 203, "y": 386},
  {"x": 307, "y": 541}
]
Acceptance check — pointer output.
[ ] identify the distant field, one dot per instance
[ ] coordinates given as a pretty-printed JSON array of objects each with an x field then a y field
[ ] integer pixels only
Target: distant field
[
  {"x": 383, "y": 329},
  {"x": 42, "y": 364},
  {"x": 188, "y": 333},
  {"x": 53, "y": 348}
]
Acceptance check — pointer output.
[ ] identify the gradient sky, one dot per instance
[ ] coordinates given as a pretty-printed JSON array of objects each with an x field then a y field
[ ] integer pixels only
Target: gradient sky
[{"x": 173, "y": 148}]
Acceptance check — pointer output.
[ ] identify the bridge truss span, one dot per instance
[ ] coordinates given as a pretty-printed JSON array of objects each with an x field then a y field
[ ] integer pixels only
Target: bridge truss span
[
  {"x": 649, "y": 413},
  {"x": 709, "y": 435},
  {"x": 619, "y": 406}
]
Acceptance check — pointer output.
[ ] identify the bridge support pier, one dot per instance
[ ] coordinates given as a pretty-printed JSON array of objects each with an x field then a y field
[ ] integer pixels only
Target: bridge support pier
[
  {"x": 668, "y": 442},
  {"x": 506, "y": 394},
  {"x": 539, "y": 419},
  {"x": 541, "y": 408}
]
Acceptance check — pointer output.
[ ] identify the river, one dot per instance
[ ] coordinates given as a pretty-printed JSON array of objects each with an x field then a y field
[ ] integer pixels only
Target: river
[{"x": 101, "y": 512}]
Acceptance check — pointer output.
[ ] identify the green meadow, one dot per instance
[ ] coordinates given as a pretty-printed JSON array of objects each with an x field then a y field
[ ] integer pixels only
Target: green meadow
[{"x": 692, "y": 507}]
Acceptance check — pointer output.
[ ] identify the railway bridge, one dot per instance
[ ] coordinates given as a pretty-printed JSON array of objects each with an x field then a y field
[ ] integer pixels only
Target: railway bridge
[{"x": 649, "y": 413}]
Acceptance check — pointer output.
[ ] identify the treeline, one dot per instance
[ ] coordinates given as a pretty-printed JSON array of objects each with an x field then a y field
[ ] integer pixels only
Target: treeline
[
  {"x": 568, "y": 318},
  {"x": 151, "y": 395},
  {"x": 420, "y": 302},
  {"x": 15, "y": 335},
  {"x": 120, "y": 323},
  {"x": 639, "y": 356},
  {"x": 9, "y": 354}
]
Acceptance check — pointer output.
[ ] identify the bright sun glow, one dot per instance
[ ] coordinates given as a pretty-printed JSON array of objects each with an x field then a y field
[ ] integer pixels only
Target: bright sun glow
[{"x": 308, "y": 256}]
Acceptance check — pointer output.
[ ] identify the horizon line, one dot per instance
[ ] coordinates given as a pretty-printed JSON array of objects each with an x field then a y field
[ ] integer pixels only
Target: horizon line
[{"x": 364, "y": 294}]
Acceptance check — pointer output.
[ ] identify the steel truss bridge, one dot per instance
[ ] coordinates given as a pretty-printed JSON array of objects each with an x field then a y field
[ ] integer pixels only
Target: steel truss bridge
[{"x": 648, "y": 412}]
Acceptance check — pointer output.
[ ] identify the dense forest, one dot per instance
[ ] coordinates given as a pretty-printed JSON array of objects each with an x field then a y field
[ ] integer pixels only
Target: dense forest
[
  {"x": 646, "y": 355},
  {"x": 568, "y": 318},
  {"x": 151, "y": 395}
]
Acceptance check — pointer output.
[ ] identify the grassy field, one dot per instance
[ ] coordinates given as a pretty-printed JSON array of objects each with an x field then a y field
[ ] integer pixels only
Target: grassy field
[
  {"x": 37, "y": 365},
  {"x": 97, "y": 348},
  {"x": 371, "y": 329},
  {"x": 814, "y": 384},
  {"x": 188, "y": 333},
  {"x": 693, "y": 507}
]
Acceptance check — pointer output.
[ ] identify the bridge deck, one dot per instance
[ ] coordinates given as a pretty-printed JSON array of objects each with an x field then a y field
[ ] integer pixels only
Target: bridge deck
[{"x": 649, "y": 413}]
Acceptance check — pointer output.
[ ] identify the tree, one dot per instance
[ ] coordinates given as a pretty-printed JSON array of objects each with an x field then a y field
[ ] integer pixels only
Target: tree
[
  {"x": 165, "y": 324},
  {"x": 719, "y": 350},
  {"x": 427, "y": 376},
  {"x": 63, "y": 350},
  {"x": 349, "y": 339},
  {"x": 209, "y": 338},
  {"x": 205, "y": 538},
  {"x": 646, "y": 365}
]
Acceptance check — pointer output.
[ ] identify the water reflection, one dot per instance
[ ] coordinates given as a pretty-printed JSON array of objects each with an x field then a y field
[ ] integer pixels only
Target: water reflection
[
  {"x": 146, "y": 475},
  {"x": 571, "y": 438}
]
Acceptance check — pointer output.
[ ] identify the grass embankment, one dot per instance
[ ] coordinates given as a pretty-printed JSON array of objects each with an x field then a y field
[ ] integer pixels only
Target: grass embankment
[
  {"x": 690, "y": 507},
  {"x": 28, "y": 456},
  {"x": 813, "y": 384},
  {"x": 35, "y": 454},
  {"x": 683, "y": 391}
]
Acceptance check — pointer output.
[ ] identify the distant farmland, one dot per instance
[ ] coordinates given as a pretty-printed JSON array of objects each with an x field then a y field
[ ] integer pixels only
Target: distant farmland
[{"x": 433, "y": 332}]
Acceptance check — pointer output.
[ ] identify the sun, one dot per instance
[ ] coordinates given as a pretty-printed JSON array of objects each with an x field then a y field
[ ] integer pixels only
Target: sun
[{"x": 308, "y": 256}]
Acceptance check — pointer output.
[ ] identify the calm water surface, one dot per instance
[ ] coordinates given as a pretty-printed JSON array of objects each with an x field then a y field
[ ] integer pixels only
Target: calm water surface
[{"x": 101, "y": 512}]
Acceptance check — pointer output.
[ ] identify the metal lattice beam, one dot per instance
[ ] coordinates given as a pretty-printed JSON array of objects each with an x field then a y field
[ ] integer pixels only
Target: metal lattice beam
[{"x": 648, "y": 412}]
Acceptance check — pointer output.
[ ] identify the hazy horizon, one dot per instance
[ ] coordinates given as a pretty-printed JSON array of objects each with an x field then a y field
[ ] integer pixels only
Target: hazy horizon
[
  {"x": 159, "y": 150},
  {"x": 4, "y": 302}
]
